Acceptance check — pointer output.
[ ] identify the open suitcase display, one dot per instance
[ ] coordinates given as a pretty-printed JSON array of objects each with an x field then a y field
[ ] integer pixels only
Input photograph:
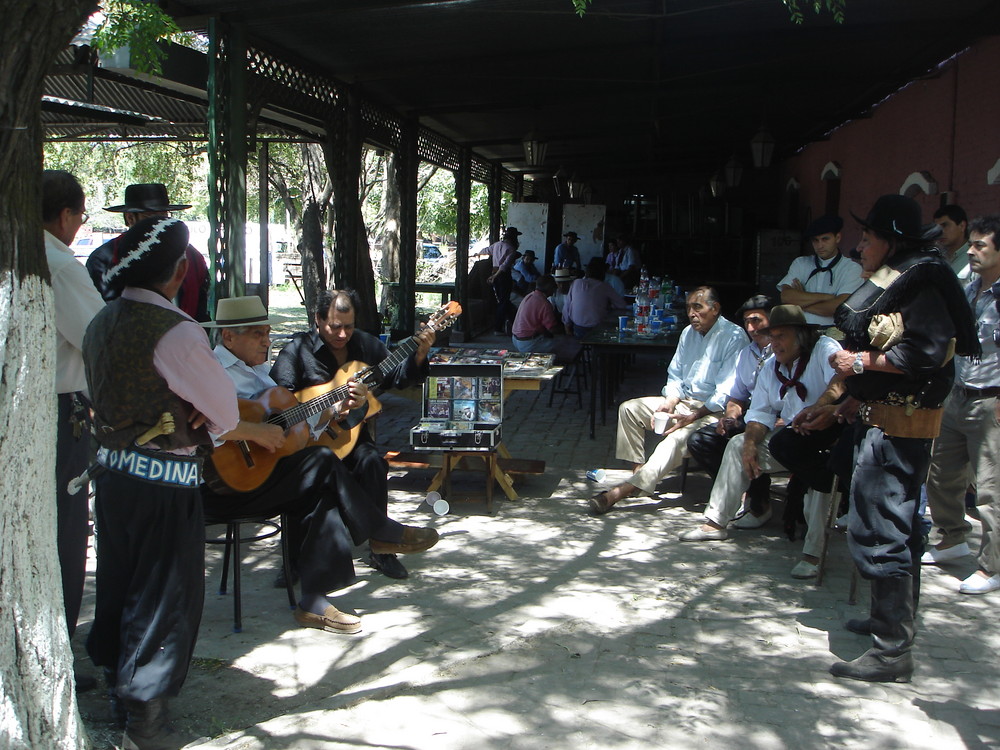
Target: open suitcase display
[{"x": 462, "y": 408}]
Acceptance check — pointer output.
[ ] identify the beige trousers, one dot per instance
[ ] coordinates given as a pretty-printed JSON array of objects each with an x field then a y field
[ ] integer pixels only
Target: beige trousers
[{"x": 633, "y": 422}]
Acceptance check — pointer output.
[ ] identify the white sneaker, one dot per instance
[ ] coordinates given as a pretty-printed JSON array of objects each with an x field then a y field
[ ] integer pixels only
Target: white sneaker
[
  {"x": 805, "y": 569},
  {"x": 749, "y": 521},
  {"x": 977, "y": 584},
  {"x": 934, "y": 556}
]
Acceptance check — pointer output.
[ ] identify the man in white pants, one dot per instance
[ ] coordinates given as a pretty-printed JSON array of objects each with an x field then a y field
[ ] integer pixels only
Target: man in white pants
[
  {"x": 794, "y": 376},
  {"x": 695, "y": 395}
]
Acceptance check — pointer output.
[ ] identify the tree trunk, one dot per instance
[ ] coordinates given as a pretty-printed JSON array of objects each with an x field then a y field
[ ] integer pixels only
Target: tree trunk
[
  {"x": 311, "y": 250},
  {"x": 390, "y": 240},
  {"x": 38, "y": 707}
]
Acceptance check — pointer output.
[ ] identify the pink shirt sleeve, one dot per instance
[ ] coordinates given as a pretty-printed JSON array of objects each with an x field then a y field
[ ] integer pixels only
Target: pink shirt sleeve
[{"x": 189, "y": 366}]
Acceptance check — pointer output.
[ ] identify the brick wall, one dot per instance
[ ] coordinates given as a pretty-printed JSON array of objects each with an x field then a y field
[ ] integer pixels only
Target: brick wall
[{"x": 948, "y": 126}]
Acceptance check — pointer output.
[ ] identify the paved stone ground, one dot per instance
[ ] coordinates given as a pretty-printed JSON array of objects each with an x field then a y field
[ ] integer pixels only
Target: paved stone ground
[{"x": 542, "y": 627}]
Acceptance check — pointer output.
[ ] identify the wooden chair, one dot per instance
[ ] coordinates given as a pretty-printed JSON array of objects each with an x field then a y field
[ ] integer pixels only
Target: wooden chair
[{"x": 232, "y": 542}]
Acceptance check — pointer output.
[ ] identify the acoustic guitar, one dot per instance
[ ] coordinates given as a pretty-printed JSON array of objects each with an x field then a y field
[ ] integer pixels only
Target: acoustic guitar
[{"x": 243, "y": 466}]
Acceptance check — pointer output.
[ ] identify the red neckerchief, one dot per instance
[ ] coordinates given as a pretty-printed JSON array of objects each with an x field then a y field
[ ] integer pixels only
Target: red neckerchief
[{"x": 793, "y": 381}]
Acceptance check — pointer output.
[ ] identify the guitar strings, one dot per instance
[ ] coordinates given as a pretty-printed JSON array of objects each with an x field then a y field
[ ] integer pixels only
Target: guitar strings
[{"x": 300, "y": 412}]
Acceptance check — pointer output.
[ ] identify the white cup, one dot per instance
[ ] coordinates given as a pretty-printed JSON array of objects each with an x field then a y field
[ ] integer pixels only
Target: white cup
[
  {"x": 660, "y": 420},
  {"x": 433, "y": 497},
  {"x": 441, "y": 507}
]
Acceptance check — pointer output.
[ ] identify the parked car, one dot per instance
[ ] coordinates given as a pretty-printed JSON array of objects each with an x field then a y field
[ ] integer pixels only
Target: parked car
[{"x": 429, "y": 251}]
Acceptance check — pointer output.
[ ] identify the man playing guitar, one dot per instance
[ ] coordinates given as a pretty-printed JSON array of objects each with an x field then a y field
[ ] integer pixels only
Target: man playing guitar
[
  {"x": 327, "y": 510},
  {"x": 312, "y": 358}
]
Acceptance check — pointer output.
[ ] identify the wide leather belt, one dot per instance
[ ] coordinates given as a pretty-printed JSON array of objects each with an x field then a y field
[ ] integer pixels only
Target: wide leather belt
[
  {"x": 902, "y": 421},
  {"x": 974, "y": 393},
  {"x": 157, "y": 468}
]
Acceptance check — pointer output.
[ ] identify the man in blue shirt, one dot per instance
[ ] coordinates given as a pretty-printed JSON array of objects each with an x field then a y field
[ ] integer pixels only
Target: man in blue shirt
[{"x": 694, "y": 396}]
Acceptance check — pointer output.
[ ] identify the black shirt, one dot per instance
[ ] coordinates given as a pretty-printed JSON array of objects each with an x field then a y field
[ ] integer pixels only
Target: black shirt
[{"x": 306, "y": 361}]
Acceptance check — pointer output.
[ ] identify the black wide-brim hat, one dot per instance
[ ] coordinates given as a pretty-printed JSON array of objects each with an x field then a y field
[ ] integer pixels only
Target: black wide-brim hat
[
  {"x": 145, "y": 252},
  {"x": 898, "y": 216},
  {"x": 147, "y": 198}
]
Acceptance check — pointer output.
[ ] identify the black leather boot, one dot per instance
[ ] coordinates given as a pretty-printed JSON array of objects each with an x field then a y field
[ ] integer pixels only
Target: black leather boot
[
  {"x": 148, "y": 727},
  {"x": 118, "y": 712},
  {"x": 864, "y": 627},
  {"x": 889, "y": 659}
]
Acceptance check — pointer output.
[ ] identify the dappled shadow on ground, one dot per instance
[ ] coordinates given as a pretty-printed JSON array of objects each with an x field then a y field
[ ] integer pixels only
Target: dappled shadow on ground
[{"x": 544, "y": 627}]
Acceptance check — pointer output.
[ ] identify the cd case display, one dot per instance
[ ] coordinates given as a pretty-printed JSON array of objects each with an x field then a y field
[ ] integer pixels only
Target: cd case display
[{"x": 462, "y": 408}]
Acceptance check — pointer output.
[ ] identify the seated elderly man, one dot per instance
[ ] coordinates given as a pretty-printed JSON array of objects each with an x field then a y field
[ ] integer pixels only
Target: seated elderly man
[
  {"x": 328, "y": 511},
  {"x": 693, "y": 397},
  {"x": 707, "y": 445},
  {"x": 794, "y": 377}
]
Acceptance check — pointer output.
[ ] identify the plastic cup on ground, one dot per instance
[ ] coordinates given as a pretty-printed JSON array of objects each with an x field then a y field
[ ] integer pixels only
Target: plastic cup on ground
[
  {"x": 441, "y": 507},
  {"x": 432, "y": 497},
  {"x": 596, "y": 475},
  {"x": 660, "y": 420}
]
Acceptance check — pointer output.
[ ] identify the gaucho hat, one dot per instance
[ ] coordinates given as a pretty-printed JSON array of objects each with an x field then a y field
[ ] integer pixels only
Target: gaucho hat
[
  {"x": 898, "y": 216},
  {"x": 146, "y": 198},
  {"x": 786, "y": 315}
]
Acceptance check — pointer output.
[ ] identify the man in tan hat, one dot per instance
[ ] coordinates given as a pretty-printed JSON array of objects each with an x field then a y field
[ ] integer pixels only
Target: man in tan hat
[
  {"x": 326, "y": 508},
  {"x": 141, "y": 202},
  {"x": 793, "y": 378}
]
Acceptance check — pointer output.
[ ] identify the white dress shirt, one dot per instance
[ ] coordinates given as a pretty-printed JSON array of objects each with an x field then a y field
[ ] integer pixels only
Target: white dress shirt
[
  {"x": 77, "y": 301},
  {"x": 702, "y": 365},
  {"x": 767, "y": 404},
  {"x": 846, "y": 279}
]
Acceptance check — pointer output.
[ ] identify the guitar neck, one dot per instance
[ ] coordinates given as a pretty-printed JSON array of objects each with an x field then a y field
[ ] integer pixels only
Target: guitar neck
[{"x": 310, "y": 408}]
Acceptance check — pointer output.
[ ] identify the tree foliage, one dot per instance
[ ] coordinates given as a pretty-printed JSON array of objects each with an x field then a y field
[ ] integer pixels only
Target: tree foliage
[
  {"x": 138, "y": 25},
  {"x": 836, "y": 8}
]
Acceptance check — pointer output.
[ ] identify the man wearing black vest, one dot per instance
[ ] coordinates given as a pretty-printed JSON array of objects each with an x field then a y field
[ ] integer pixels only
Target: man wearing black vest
[{"x": 159, "y": 397}]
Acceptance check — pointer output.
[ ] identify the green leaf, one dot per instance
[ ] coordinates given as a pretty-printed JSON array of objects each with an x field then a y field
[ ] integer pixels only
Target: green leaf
[{"x": 138, "y": 25}]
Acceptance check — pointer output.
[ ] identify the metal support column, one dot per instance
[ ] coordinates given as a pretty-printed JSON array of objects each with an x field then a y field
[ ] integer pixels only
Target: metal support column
[
  {"x": 227, "y": 150},
  {"x": 463, "y": 200},
  {"x": 495, "y": 200},
  {"x": 406, "y": 181},
  {"x": 264, "y": 214}
]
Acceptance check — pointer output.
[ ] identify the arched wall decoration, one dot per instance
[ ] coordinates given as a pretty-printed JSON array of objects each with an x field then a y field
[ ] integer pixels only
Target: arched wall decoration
[
  {"x": 830, "y": 171},
  {"x": 993, "y": 175},
  {"x": 919, "y": 182}
]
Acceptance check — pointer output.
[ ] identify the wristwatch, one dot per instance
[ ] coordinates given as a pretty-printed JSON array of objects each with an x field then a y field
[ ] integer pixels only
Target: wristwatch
[{"x": 858, "y": 366}]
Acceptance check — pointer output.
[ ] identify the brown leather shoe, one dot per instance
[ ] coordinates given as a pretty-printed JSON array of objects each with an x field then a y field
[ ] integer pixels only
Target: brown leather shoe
[
  {"x": 332, "y": 620},
  {"x": 414, "y": 540},
  {"x": 600, "y": 504}
]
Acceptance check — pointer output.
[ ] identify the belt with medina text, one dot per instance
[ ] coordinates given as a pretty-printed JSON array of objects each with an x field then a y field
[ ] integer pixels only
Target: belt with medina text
[{"x": 167, "y": 469}]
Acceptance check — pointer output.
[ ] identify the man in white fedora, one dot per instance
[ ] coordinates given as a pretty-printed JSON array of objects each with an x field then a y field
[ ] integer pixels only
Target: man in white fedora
[{"x": 327, "y": 510}]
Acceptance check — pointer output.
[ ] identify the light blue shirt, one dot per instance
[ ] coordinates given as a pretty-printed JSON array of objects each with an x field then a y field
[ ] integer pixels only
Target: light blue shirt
[
  {"x": 702, "y": 365},
  {"x": 767, "y": 404},
  {"x": 740, "y": 386},
  {"x": 252, "y": 381},
  {"x": 249, "y": 381},
  {"x": 985, "y": 373}
]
